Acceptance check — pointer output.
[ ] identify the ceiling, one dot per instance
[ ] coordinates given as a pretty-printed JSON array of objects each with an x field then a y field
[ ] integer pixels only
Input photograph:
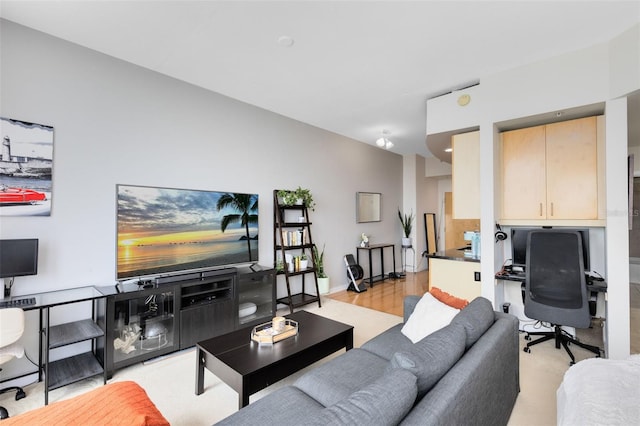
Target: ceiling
[{"x": 354, "y": 68}]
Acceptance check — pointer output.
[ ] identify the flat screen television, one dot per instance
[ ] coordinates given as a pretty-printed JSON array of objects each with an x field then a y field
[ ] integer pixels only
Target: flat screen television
[
  {"x": 519, "y": 245},
  {"x": 164, "y": 231},
  {"x": 18, "y": 258}
]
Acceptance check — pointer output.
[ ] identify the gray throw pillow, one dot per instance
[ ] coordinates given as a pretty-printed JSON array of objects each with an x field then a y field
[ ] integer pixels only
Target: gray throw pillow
[
  {"x": 431, "y": 358},
  {"x": 383, "y": 402},
  {"x": 476, "y": 318}
]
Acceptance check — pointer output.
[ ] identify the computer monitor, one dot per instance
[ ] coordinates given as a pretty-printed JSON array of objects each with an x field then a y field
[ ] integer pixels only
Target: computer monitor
[
  {"x": 519, "y": 245},
  {"x": 18, "y": 257}
]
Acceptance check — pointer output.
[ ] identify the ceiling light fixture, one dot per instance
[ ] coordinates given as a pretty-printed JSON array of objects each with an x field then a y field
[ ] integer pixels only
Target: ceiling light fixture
[
  {"x": 383, "y": 142},
  {"x": 286, "y": 41}
]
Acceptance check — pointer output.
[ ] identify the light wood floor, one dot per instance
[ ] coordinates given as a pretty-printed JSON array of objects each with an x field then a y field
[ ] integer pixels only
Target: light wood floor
[{"x": 387, "y": 296}]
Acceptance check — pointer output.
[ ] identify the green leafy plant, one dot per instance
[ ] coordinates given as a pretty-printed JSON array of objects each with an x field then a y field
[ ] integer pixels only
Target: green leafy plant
[
  {"x": 303, "y": 256},
  {"x": 279, "y": 265},
  {"x": 290, "y": 197},
  {"x": 407, "y": 223},
  {"x": 318, "y": 258}
]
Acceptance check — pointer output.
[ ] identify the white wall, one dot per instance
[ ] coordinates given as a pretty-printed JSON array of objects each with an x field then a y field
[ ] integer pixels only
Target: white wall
[
  {"x": 594, "y": 75},
  {"x": 116, "y": 123}
]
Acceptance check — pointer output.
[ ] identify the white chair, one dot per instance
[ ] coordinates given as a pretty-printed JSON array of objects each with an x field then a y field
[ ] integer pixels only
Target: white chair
[{"x": 11, "y": 329}]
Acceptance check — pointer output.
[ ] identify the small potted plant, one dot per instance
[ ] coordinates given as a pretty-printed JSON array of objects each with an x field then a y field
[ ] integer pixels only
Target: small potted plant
[
  {"x": 297, "y": 196},
  {"x": 323, "y": 279},
  {"x": 304, "y": 261},
  {"x": 407, "y": 225}
]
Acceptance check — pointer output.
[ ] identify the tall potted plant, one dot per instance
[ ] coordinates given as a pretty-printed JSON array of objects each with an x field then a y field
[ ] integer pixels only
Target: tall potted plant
[
  {"x": 323, "y": 279},
  {"x": 406, "y": 221}
]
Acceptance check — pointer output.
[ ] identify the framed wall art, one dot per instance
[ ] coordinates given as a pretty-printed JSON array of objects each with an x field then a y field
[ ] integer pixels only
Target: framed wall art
[{"x": 26, "y": 166}]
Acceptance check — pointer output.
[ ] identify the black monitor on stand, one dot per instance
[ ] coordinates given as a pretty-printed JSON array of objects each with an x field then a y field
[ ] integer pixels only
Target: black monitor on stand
[{"x": 18, "y": 258}]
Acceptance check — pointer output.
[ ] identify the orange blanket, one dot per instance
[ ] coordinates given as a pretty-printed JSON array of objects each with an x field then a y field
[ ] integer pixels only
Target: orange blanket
[{"x": 119, "y": 403}]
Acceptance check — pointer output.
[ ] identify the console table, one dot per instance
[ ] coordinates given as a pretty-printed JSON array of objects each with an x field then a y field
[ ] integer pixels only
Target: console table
[{"x": 369, "y": 249}]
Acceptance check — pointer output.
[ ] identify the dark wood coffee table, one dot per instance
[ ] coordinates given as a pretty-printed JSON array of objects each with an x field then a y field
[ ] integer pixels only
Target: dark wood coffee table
[{"x": 248, "y": 367}]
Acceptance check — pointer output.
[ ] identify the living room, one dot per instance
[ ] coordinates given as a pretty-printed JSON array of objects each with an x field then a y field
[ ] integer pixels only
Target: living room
[{"x": 119, "y": 123}]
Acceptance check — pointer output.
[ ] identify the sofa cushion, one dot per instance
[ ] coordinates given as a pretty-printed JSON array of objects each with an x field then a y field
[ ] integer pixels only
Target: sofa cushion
[
  {"x": 384, "y": 402},
  {"x": 433, "y": 356},
  {"x": 388, "y": 342},
  {"x": 335, "y": 380},
  {"x": 283, "y": 407},
  {"x": 476, "y": 318},
  {"x": 428, "y": 316}
]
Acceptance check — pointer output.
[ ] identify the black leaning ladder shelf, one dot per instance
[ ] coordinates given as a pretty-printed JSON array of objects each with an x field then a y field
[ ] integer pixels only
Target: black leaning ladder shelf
[{"x": 294, "y": 237}]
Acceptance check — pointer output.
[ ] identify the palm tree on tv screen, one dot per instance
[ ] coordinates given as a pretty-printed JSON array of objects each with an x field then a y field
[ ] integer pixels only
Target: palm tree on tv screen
[{"x": 246, "y": 205}]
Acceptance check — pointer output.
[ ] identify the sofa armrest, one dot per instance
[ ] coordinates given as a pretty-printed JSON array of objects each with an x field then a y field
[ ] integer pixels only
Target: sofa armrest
[{"x": 410, "y": 303}]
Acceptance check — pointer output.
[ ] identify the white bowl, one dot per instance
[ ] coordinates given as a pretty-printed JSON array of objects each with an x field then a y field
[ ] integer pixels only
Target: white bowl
[{"x": 246, "y": 309}]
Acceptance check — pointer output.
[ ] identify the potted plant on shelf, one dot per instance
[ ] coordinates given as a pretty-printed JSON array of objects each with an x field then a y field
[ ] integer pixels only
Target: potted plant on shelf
[
  {"x": 304, "y": 261},
  {"x": 407, "y": 225},
  {"x": 297, "y": 196},
  {"x": 323, "y": 279}
]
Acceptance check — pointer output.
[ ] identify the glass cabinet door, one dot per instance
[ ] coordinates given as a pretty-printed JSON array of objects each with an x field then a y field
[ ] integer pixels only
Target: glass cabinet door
[
  {"x": 144, "y": 325},
  {"x": 256, "y": 297}
]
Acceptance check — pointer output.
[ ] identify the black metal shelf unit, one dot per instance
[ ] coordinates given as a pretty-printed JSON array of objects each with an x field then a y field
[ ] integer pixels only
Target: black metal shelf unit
[
  {"x": 71, "y": 369},
  {"x": 289, "y": 238}
]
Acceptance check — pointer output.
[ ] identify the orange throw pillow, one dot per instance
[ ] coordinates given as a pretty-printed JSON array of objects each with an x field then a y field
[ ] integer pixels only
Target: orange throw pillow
[{"x": 448, "y": 299}]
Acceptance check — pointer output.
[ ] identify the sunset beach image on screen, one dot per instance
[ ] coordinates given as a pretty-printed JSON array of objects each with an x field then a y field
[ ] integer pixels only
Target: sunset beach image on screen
[{"x": 167, "y": 230}]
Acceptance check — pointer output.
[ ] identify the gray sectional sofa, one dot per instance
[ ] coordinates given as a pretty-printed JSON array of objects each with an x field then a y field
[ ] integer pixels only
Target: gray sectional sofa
[{"x": 466, "y": 373}]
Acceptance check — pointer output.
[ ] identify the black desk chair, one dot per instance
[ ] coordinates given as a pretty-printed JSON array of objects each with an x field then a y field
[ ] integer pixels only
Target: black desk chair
[{"x": 556, "y": 291}]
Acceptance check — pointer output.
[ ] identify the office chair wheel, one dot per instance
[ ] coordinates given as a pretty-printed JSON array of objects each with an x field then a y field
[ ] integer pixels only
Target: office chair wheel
[
  {"x": 20, "y": 394},
  {"x": 4, "y": 414},
  {"x": 527, "y": 349},
  {"x": 527, "y": 337}
]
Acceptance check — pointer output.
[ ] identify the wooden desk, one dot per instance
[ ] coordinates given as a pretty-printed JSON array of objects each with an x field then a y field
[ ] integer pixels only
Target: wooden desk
[{"x": 370, "y": 250}]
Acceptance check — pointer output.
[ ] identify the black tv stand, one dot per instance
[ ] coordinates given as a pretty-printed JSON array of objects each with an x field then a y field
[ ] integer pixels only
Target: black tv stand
[{"x": 178, "y": 311}]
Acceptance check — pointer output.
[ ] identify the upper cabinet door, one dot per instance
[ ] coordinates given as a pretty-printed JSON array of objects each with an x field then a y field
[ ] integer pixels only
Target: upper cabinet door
[
  {"x": 466, "y": 175},
  {"x": 551, "y": 172},
  {"x": 572, "y": 163},
  {"x": 524, "y": 174}
]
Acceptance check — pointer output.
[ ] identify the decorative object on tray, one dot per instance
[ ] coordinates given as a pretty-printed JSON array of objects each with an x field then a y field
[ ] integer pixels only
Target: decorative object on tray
[{"x": 267, "y": 333}]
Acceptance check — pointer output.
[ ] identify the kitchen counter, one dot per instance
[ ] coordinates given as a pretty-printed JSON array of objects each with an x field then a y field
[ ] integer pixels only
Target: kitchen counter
[
  {"x": 456, "y": 273},
  {"x": 454, "y": 254}
]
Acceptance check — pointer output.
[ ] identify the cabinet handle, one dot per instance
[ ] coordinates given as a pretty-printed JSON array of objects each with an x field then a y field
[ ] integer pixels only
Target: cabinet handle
[
  {"x": 552, "y": 209},
  {"x": 540, "y": 209}
]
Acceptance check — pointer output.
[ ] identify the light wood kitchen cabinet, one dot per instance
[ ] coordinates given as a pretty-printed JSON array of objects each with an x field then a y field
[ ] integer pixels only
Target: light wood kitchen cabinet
[
  {"x": 466, "y": 175},
  {"x": 552, "y": 172}
]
